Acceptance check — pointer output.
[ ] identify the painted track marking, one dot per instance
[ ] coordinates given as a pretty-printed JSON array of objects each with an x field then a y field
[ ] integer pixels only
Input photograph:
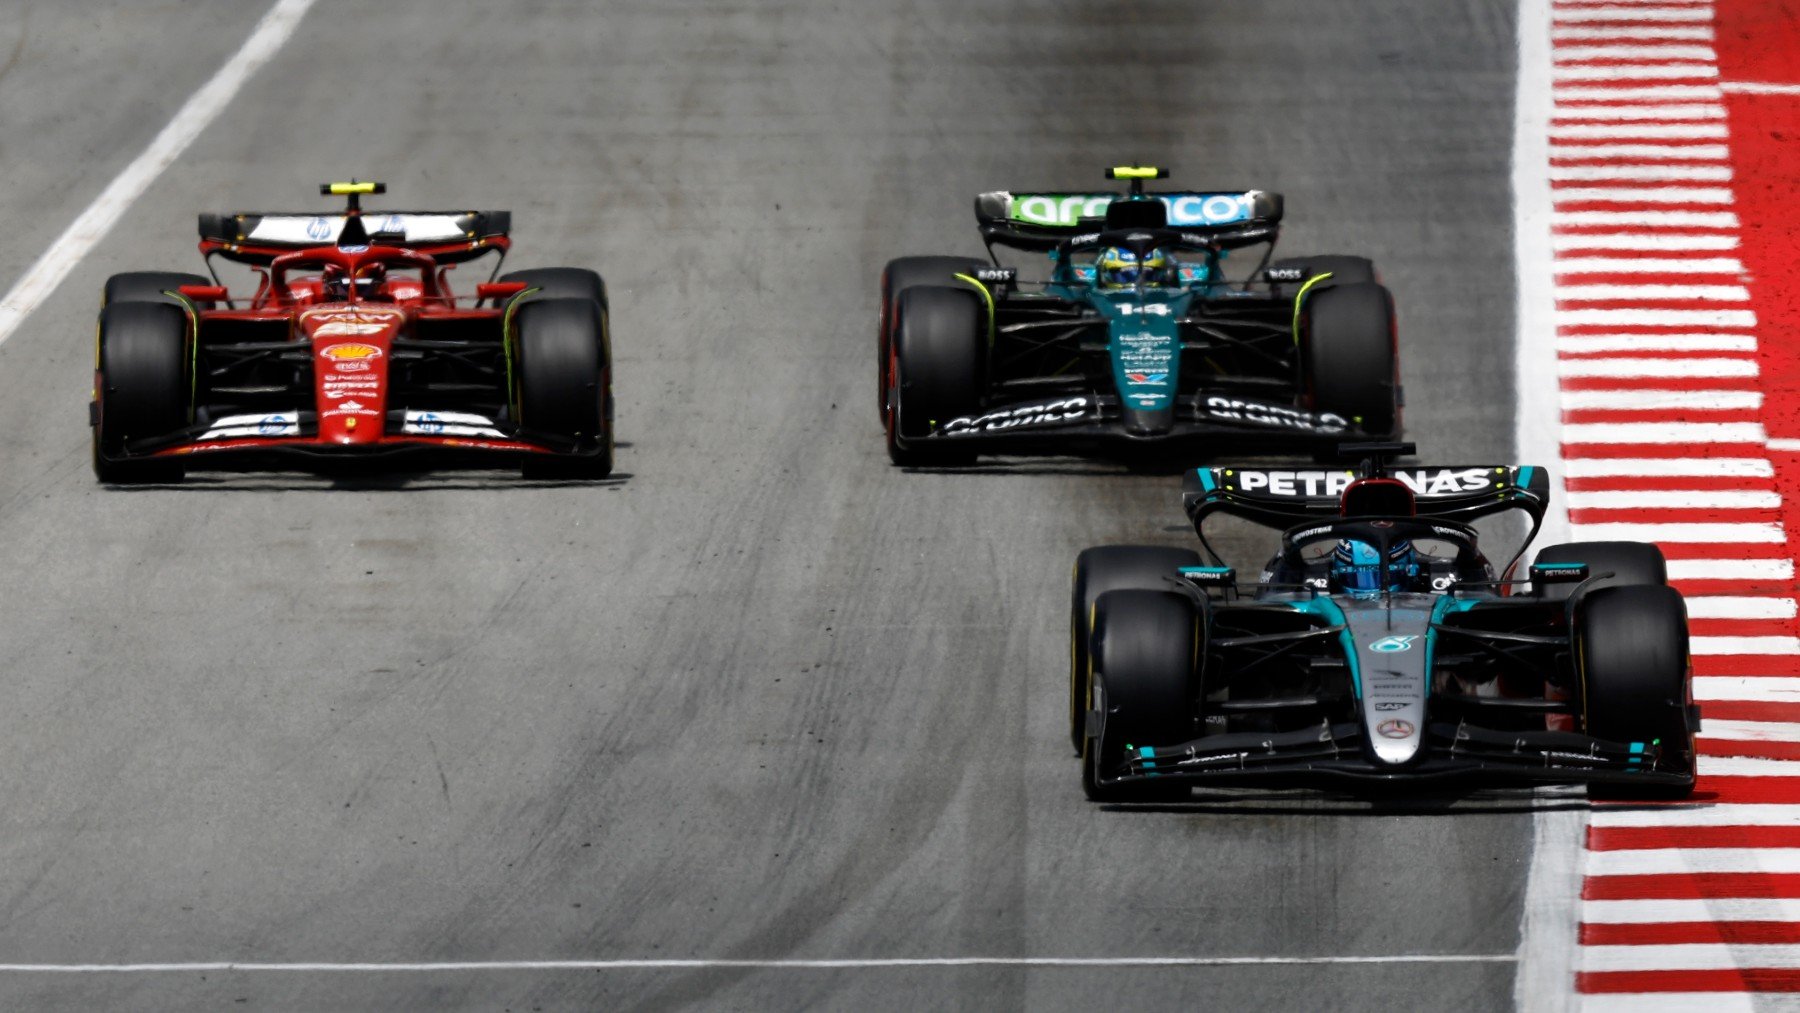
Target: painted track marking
[
  {"x": 201, "y": 108},
  {"x": 703, "y": 964}
]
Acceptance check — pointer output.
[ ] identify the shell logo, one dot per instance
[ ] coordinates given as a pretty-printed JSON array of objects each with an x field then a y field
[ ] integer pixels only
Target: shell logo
[{"x": 350, "y": 350}]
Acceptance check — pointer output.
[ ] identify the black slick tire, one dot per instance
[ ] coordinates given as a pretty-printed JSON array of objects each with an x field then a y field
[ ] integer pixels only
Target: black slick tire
[
  {"x": 938, "y": 352},
  {"x": 1099, "y": 570},
  {"x": 1342, "y": 268},
  {"x": 1630, "y": 563},
  {"x": 149, "y": 286},
  {"x": 142, "y": 386},
  {"x": 1145, "y": 644},
  {"x": 559, "y": 283},
  {"x": 1348, "y": 358},
  {"x": 1632, "y": 656},
  {"x": 899, "y": 275},
  {"x": 564, "y": 377}
]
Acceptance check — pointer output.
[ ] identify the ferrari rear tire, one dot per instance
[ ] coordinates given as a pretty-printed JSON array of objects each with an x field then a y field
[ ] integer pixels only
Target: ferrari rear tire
[
  {"x": 1632, "y": 655},
  {"x": 1348, "y": 357},
  {"x": 1343, "y": 269},
  {"x": 936, "y": 376},
  {"x": 1144, "y": 685},
  {"x": 564, "y": 376},
  {"x": 560, "y": 283},
  {"x": 1099, "y": 570},
  {"x": 149, "y": 286},
  {"x": 1630, "y": 563},
  {"x": 899, "y": 275},
  {"x": 142, "y": 388}
]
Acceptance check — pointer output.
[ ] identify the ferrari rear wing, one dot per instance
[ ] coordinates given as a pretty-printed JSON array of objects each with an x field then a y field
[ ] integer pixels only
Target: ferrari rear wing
[
  {"x": 1281, "y": 498},
  {"x": 258, "y": 237}
]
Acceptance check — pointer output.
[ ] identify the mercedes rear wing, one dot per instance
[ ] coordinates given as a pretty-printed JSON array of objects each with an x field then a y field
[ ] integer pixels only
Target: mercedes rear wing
[{"x": 1282, "y": 498}]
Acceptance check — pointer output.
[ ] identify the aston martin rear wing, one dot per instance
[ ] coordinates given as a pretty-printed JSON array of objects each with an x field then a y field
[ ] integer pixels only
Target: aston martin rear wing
[
  {"x": 1040, "y": 220},
  {"x": 1281, "y": 498}
]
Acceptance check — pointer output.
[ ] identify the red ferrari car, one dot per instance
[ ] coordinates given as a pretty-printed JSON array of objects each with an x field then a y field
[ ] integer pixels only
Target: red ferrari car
[{"x": 354, "y": 343}]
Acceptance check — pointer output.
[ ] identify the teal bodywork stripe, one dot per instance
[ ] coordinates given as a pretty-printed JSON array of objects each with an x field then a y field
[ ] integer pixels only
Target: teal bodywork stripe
[
  {"x": 1525, "y": 473},
  {"x": 1203, "y": 569},
  {"x": 1326, "y": 609},
  {"x": 1439, "y": 609},
  {"x": 1207, "y": 482}
]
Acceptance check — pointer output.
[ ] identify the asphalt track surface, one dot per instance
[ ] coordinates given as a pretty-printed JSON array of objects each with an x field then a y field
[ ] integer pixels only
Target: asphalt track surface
[{"x": 761, "y": 695}]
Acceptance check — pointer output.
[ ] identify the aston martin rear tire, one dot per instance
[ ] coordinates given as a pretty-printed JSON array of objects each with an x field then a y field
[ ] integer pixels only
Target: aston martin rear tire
[
  {"x": 1632, "y": 654},
  {"x": 565, "y": 383},
  {"x": 142, "y": 388},
  {"x": 1144, "y": 686},
  {"x": 936, "y": 374},
  {"x": 1348, "y": 357},
  {"x": 1343, "y": 269},
  {"x": 1099, "y": 570}
]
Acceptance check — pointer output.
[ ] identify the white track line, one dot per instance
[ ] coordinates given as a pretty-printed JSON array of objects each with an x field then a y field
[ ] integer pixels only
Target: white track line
[
  {"x": 1744, "y": 533},
  {"x": 1644, "y": 195},
  {"x": 1749, "y": 815},
  {"x": 1664, "y": 432},
  {"x": 1647, "y": 131},
  {"x": 1652, "y": 293},
  {"x": 1760, "y": 88},
  {"x": 1689, "y": 957},
  {"x": 1620, "y": 12},
  {"x": 1661, "y": 152},
  {"x": 1742, "y": 645},
  {"x": 276, "y": 27},
  {"x": 1651, "y": 92},
  {"x": 1544, "y": 982},
  {"x": 1621, "y": 33},
  {"x": 1665, "y": 467},
  {"x": 1674, "y": 1002},
  {"x": 1730, "y": 909},
  {"x": 1666, "y": 861},
  {"x": 782, "y": 965},
  {"x": 1731, "y": 569},
  {"x": 1752, "y": 766},
  {"x": 1680, "y": 499},
  {"x": 1586, "y": 343},
  {"x": 1642, "y": 241},
  {"x": 1649, "y": 265},
  {"x": 1751, "y": 731},
  {"x": 1573, "y": 54},
  {"x": 1742, "y": 606},
  {"x": 1764, "y": 688},
  {"x": 1639, "y": 219}
]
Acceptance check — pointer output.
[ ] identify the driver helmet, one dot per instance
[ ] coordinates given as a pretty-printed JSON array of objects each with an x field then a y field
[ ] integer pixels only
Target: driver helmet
[
  {"x": 1119, "y": 267},
  {"x": 334, "y": 284},
  {"x": 1357, "y": 566}
]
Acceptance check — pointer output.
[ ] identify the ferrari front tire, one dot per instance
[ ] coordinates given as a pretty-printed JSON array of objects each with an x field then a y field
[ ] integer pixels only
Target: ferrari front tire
[
  {"x": 142, "y": 388},
  {"x": 565, "y": 383}
]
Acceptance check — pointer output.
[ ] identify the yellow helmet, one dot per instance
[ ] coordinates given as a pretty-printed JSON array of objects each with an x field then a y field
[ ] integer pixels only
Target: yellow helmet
[{"x": 1119, "y": 267}]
